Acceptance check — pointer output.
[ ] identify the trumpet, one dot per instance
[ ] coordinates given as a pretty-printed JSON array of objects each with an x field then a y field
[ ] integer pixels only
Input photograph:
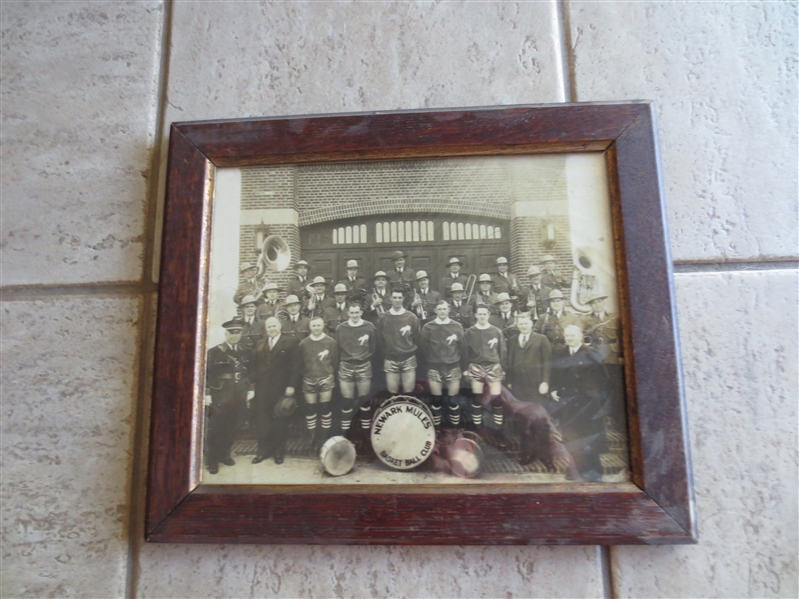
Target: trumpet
[
  {"x": 470, "y": 283},
  {"x": 420, "y": 307},
  {"x": 380, "y": 309}
]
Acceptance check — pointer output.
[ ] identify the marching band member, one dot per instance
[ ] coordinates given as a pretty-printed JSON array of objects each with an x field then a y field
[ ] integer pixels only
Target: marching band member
[
  {"x": 556, "y": 320},
  {"x": 536, "y": 297},
  {"x": 296, "y": 324},
  {"x": 318, "y": 302},
  {"x": 336, "y": 313},
  {"x": 484, "y": 294},
  {"x": 454, "y": 276},
  {"x": 356, "y": 286},
  {"x": 319, "y": 354},
  {"x": 357, "y": 342},
  {"x": 442, "y": 345},
  {"x": 504, "y": 281},
  {"x": 505, "y": 318},
  {"x": 271, "y": 304},
  {"x": 425, "y": 299},
  {"x": 485, "y": 354},
  {"x": 380, "y": 298},
  {"x": 461, "y": 311},
  {"x": 252, "y": 328},
  {"x": 551, "y": 276},
  {"x": 602, "y": 329},
  {"x": 297, "y": 285},
  {"x": 398, "y": 331},
  {"x": 401, "y": 276},
  {"x": 250, "y": 285}
]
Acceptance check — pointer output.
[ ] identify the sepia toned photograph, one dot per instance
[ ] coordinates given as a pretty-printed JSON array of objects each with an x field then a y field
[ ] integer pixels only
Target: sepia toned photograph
[{"x": 416, "y": 321}]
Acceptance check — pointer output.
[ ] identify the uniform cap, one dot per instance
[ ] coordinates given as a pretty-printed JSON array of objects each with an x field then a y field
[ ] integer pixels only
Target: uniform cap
[
  {"x": 301, "y": 263},
  {"x": 286, "y": 406},
  {"x": 484, "y": 278},
  {"x": 292, "y": 299},
  {"x": 249, "y": 299},
  {"x": 246, "y": 266},
  {"x": 534, "y": 270},
  {"x": 453, "y": 260},
  {"x": 595, "y": 296},
  {"x": 421, "y": 275},
  {"x": 380, "y": 273},
  {"x": 502, "y": 260},
  {"x": 502, "y": 297},
  {"x": 548, "y": 258},
  {"x": 233, "y": 324},
  {"x": 340, "y": 288},
  {"x": 456, "y": 287},
  {"x": 555, "y": 294},
  {"x": 271, "y": 287},
  {"x": 352, "y": 264},
  {"x": 398, "y": 254},
  {"x": 319, "y": 281}
]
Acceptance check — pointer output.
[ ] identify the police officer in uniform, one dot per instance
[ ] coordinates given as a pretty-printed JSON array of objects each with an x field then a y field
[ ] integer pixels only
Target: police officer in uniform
[{"x": 227, "y": 388}]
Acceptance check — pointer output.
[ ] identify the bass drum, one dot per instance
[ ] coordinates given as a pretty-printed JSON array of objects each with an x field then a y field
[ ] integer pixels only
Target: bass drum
[
  {"x": 403, "y": 435},
  {"x": 338, "y": 456}
]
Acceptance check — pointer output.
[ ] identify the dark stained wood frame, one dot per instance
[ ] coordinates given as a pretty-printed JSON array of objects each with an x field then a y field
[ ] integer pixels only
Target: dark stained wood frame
[{"x": 656, "y": 507}]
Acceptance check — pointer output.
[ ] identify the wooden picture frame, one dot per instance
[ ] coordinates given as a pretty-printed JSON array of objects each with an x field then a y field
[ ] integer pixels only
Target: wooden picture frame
[{"x": 657, "y": 507}]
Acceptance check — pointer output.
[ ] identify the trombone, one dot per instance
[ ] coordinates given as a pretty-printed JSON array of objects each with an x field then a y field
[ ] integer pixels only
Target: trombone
[
  {"x": 380, "y": 309},
  {"x": 470, "y": 282},
  {"x": 420, "y": 307}
]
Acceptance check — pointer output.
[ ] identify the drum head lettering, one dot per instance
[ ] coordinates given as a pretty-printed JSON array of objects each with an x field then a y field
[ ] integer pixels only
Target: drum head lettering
[{"x": 403, "y": 435}]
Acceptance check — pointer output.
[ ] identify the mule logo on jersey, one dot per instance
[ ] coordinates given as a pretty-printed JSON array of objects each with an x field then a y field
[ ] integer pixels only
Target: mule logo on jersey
[
  {"x": 323, "y": 354},
  {"x": 493, "y": 342},
  {"x": 405, "y": 330},
  {"x": 363, "y": 339},
  {"x": 451, "y": 339}
]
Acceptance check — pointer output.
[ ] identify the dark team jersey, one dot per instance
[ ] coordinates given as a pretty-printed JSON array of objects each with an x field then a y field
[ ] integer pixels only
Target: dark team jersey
[
  {"x": 356, "y": 344},
  {"x": 485, "y": 346},
  {"x": 319, "y": 357},
  {"x": 442, "y": 343},
  {"x": 399, "y": 334}
]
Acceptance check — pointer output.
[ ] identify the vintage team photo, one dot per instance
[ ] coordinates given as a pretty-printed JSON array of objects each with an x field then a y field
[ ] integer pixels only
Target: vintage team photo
[{"x": 418, "y": 321}]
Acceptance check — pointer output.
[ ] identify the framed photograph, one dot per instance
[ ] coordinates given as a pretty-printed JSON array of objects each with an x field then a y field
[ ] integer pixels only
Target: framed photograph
[{"x": 443, "y": 327}]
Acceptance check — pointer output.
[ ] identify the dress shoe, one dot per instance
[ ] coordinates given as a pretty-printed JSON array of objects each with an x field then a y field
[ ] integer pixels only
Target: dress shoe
[
  {"x": 213, "y": 468},
  {"x": 259, "y": 458},
  {"x": 228, "y": 461},
  {"x": 279, "y": 458}
]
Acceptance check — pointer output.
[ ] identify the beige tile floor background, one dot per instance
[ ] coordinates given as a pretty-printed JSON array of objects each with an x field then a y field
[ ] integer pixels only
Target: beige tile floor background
[{"x": 87, "y": 92}]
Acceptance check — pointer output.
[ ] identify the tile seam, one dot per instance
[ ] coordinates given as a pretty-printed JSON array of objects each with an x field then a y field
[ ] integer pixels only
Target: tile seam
[
  {"x": 608, "y": 587},
  {"x": 566, "y": 53}
]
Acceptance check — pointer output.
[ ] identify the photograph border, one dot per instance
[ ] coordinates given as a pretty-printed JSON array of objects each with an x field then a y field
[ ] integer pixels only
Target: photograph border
[{"x": 656, "y": 507}]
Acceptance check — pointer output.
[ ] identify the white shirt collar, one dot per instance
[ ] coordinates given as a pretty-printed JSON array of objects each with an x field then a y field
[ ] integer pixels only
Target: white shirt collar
[
  {"x": 274, "y": 340},
  {"x": 401, "y": 311}
]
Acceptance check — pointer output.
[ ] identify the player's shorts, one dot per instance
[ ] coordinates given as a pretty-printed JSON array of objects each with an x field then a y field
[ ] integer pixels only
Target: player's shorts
[
  {"x": 397, "y": 366},
  {"x": 489, "y": 373},
  {"x": 444, "y": 373},
  {"x": 353, "y": 372},
  {"x": 320, "y": 384}
]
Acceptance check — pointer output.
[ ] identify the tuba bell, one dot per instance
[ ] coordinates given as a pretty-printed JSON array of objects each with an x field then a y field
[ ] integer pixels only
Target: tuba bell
[
  {"x": 584, "y": 277},
  {"x": 275, "y": 255}
]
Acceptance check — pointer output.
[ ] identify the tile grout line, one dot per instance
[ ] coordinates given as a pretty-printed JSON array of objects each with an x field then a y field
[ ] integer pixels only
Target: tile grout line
[
  {"x": 608, "y": 587},
  {"x": 34, "y": 292},
  {"x": 567, "y": 54},
  {"x": 136, "y": 515}
]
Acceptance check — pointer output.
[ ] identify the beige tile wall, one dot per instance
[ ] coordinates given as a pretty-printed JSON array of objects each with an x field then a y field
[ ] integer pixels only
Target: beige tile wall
[{"x": 84, "y": 88}]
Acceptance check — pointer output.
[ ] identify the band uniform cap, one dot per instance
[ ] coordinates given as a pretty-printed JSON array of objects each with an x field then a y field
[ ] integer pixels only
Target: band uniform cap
[
  {"x": 292, "y": 299},
  {"x": 398, "y": 254},
  {"x": 456, "y": 287},
  {"x": 271, "y": 287},
  {"x": 340, "y": 288},
  {"x": 595, "y": 296},
  {"x": 534, "y": 270},
  {"x": 454, "y": 260},
  {"x": 502, "y": 297},
  {"x": 301, "y": 263},
  {"x": 502, "y": 260},
  {"x": 352, "y": 264},
  {"x": 379, "y": 274},
  {"x": 484, "y": 278},
  {"x": 247, "y": 266},
  {"x": 233, "y": 323},
  {"x": 422, "y": 275},
  {"x": 319, "y": 281},
  {"x": 286, "y": 406},
  {"x": 548, "y": 258},
  {"x": 555, "y": 294},
  {"x": 249, "y": 299}
]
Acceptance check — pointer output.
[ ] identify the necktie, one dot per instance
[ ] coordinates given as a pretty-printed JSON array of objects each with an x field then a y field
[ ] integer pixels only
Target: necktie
[
  {"x": 522, "y": 340},
  {"x": 293, "y": 319},
  {"x": 271, "y": 343}
]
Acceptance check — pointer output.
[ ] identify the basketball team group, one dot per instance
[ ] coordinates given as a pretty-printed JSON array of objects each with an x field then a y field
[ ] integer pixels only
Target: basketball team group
[{"x": 466, "y": 347}]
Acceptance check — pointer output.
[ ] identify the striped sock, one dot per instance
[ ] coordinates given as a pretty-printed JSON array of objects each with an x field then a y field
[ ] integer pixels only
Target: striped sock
[
  {"x": 497, "y": 412},
  {"x": 454, "y": 411},
  {"x": 435, "y": 408},
  {"x": 366, "y": 416},
  {"x": 346, "y": 416},
  {"x": 327, "y": 419},
  {"x": 311, "y": 410},
  {"x": 477, "y": 410}
]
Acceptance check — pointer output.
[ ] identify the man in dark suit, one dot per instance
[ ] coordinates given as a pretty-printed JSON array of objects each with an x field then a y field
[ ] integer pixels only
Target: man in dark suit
[
  {"x": 580, "y": 391},
  {"x": 227, "y": 384},
  {"x": 528, "y": 363},
  {"x": 505, "y": 317},
  {"x": 276, "y": 367}
]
